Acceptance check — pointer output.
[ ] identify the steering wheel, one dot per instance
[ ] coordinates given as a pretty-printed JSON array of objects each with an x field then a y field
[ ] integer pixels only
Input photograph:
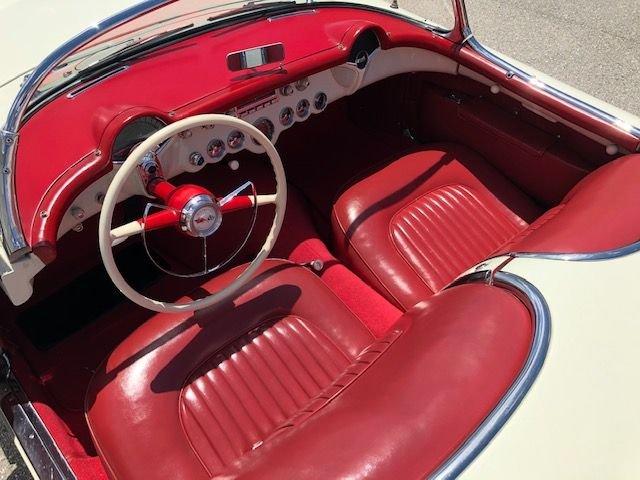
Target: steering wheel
[{"x": 193, "y": 209}]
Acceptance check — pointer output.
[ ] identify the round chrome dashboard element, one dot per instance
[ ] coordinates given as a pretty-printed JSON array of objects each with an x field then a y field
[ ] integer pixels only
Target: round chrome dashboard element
[
  {"x": 286, "y": 90},
  {"x": 265, "y": 126},
  {"x": 132, "y": 134},
  {"x": 201, "y": 216},
  {"x": 362, "y": 59},
  {"x": 320, "y": 101},
  {"x": 302, "y": 84},
  {"x": 196, "y": 159},
  {"x": 302, "y": 109},
  {"x": 286, "y": 116},
  {"x": 235, "y": 139},
  {"x": 216, "y": 148}
]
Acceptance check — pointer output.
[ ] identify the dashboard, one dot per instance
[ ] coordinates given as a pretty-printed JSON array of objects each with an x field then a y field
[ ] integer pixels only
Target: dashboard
[
  {"x": 272, "y": 113},
  {"x": 69, "y": 149}
]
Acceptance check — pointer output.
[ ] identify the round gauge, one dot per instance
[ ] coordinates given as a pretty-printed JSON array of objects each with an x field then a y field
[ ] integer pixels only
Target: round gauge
[
  {"x": 286, "y": 116},
  {"x": 302, "y": 109},
  {"x": 302, "y": 84},
  {"x": 235, "y": 139},
  {"x": 134, "y": 133},
  {"x": 320, "y": 101},
  {"x": 215, "y": 149},
  {"x": 265, "y": 126}
]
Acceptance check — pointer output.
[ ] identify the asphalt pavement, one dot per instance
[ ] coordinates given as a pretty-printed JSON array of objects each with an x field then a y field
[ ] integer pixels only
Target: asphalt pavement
[
  {"x": 589, "y": 44},
  {"x": 11, "y": 465}
]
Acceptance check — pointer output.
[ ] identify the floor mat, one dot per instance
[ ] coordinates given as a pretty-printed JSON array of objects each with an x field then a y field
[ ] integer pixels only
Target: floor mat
[{"x": 83, "y": 301}]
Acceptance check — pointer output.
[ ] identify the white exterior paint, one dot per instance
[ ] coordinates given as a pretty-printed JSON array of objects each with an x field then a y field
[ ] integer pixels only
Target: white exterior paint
[
  {"x": 580, "y": 419},
  {"x": 32, "y": 29}
]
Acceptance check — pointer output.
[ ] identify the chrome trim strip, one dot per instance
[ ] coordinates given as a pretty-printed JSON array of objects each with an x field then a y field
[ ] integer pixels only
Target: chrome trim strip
[
  {"x": 86, "y": 86},
  {"x": 481, "y": 437},
  {"x": 12, "y": 233},
  {"x": 581, "y": 257},
  {"x": 536, "y": 83},
  {"x": 41, "y": 451}
]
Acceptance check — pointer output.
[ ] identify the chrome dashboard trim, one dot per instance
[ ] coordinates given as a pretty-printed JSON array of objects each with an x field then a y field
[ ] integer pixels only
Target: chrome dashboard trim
[
  {"x": 12, "y": 234},
  {"x": 481, "y": 437}
]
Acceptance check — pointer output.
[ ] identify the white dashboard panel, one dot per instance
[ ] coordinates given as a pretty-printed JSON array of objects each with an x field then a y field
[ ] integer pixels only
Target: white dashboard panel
[{"x": 335, "y": 83}]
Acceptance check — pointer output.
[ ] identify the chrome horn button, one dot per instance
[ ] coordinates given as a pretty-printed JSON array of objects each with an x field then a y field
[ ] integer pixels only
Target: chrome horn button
[{"x": 201, "y": 216}]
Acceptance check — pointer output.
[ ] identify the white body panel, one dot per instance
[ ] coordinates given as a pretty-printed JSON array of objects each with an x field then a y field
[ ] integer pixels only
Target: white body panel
[
  {"x": 32, "y": 29},
  {"x": 580, "y": 419}
]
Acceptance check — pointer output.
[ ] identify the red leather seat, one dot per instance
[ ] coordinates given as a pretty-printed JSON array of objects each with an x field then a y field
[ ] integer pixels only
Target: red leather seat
[
  {"x": 415, "y": 225},
  {"x": 285, "y": 382},
  {"x": 602, "y": 212}
]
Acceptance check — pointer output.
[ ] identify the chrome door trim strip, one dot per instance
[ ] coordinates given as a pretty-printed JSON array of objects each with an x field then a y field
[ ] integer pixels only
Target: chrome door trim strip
[
  {"x": 488, "y": 429},
  {"x": 581, "y": 257},
  {"x": 12, "y": 234}
]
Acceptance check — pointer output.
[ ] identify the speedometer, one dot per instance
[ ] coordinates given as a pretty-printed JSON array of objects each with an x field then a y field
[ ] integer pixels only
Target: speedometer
[{"x": 132, "y": 135}]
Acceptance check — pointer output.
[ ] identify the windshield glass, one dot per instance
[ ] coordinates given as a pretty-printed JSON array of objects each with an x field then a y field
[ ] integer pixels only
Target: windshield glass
[
  {"x": 183, "y": 16},
  {"x": 172, "y": 18}
]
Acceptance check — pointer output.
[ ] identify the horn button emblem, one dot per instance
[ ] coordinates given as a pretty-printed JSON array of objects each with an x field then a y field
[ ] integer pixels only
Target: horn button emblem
[{"x": 201, "y": 216}]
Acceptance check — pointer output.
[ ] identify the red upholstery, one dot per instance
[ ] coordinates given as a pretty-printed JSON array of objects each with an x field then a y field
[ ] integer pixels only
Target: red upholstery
[
  {"x": 287, "y": 383},
  {"x": 450, "y": 364},
  {"x": 170, "y": 362},
  {"x": 601, "y": 212},
  {"x": 415, "y": 225}
]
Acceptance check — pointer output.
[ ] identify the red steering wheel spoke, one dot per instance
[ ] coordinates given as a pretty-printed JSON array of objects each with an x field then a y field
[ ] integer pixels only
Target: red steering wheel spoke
[{"x": 244, "y": 202}]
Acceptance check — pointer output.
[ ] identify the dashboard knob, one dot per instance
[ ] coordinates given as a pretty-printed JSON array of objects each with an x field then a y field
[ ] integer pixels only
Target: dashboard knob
[
  {"x": 286, "y": 90},
  {"x": 196, "y": 159},
  {"x": 302, "y": 84},
  {"x": 77, "y": 213}
]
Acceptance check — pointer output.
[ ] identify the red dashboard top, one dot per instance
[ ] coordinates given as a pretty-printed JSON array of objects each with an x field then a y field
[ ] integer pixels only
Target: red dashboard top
[{"x": 66, "y": 145}]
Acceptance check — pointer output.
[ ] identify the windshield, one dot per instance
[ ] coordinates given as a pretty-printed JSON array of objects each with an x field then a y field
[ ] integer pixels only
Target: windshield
[
  {"x": 181, "y": 17},
  {"x": 173, "y": 18}
]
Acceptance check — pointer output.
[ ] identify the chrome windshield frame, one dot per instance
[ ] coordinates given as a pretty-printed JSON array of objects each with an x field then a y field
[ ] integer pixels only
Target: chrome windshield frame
[{"x": 13, "y": 237}]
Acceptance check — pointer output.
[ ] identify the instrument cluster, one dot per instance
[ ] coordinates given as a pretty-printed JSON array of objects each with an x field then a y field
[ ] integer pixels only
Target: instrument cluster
[{"x": 271, "y": 114}]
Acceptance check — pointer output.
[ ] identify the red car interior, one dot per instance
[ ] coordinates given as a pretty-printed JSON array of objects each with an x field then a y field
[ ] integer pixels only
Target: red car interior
[
  {"x": 415, "y": 225},
  {"x": 255, "y": 385},
  {"x": 397, "y": 189}
]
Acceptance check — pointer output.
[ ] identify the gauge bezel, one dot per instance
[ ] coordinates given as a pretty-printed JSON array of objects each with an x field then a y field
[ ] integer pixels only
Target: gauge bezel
[
  {"x": 292, "y": 118},
  {"x": 307, "y": 108},
  {"x": 160, "y": 123},
  {"x": 272, "y": 128},
  {"x": 240, "y": 135},
  {"x": 222, "y": 151},
  {"x": 324, "y": 103}
]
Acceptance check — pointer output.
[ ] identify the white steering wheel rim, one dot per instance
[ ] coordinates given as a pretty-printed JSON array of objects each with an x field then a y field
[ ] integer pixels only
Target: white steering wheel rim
[{"x": 129, "y": 166}]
